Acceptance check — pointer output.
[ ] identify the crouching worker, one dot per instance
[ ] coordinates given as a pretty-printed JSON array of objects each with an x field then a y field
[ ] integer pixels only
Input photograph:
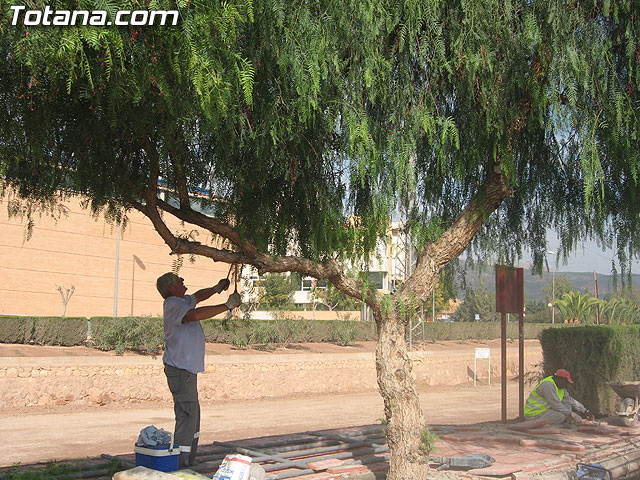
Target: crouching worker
[
  {"x": 550, "y": 401},
  {"x": 184, "y": 354}
]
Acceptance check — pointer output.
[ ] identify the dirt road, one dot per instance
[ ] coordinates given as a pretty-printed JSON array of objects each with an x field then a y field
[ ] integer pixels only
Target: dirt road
[
  {"x": 37, "y": 434},
  {"x": 59, "y": 435}
]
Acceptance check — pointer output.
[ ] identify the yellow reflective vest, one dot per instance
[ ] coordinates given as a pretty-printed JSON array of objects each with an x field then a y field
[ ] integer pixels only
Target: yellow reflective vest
[{"x": 536, "y": 404}]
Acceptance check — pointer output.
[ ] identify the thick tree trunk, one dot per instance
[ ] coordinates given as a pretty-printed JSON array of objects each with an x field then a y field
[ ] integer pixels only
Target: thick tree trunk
[{"x": 404, "y": 418}]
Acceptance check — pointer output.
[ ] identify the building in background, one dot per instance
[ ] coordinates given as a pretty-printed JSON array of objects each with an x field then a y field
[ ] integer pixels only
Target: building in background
[
  {"x": 388, "y": 267},
  {"x": 110, "y": 272}
]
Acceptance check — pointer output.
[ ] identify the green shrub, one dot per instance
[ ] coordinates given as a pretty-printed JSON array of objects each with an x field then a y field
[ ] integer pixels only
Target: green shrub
[
  {"x": 264, "y": 333},
  {"x": 144, "y": 334},
  {"x": 65, "y": 331},
  {"x": 594, "y": 355},
  {"x": 292, "y": 330},
  {"x": 141, "y": 334},
  {"x": 281, "y": 331},
  {"x": 233, "y": 331},
  {"x": 16, "y": 329},
  {"x": 343, "y": 333}
]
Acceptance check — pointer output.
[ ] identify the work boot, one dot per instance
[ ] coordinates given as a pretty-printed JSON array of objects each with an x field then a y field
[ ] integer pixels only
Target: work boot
[
  {"x": 183, "y": 460},
  {"x": 194, "y": 451}
]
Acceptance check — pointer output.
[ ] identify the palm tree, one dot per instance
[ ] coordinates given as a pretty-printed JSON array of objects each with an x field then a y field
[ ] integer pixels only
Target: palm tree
[
  {"x": 576, "y": 307},
  {"x": 611, "y": 307},
  {"x": 620, "y": 308}
]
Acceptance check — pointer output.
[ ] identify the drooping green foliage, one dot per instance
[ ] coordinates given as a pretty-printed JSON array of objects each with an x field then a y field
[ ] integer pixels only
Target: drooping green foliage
[{"x": 298, "y": 115}]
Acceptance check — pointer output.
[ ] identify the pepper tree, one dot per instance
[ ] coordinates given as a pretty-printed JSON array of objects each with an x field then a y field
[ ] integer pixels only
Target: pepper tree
[{"x": 311, "y": 123}]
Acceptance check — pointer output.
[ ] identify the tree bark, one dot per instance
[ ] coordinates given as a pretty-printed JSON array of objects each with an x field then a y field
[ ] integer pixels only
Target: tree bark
[{"x": 404, "y": 419}]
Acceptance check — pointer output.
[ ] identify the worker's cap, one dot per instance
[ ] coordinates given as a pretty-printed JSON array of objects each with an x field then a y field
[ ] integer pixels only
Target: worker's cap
[{"x": 564, "y": 374}]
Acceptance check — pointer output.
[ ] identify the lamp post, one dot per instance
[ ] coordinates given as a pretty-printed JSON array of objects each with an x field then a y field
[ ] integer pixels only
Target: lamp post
[
  {"x": 115, "y": 288},
  {"x": 553, "y": 291}
]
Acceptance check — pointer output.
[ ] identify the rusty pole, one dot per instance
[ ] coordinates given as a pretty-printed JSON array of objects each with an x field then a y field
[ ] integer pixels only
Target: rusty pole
[
  {"x": 521, "y": 366},
  {"x": 503, "y": 356}
]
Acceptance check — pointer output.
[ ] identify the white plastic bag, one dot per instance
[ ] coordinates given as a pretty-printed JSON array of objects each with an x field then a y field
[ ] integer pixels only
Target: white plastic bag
[
  {"x": 234, "y": 467},
  {"x": 256, "y": 472}
]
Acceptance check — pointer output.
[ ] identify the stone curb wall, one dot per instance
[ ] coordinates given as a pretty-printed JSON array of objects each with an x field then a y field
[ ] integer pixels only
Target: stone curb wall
[{"x": 91, "y": 381}]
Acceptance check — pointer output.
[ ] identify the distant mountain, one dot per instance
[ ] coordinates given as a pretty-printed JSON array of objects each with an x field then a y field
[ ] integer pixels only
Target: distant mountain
[{"x": 533, "y": 284}]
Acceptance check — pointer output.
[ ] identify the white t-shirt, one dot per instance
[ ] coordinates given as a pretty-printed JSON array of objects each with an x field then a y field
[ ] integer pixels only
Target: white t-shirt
[{"x": 183, "y": 342}]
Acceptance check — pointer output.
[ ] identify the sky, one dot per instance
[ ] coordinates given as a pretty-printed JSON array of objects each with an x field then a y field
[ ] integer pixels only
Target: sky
[{"x": 588, "y": 257}]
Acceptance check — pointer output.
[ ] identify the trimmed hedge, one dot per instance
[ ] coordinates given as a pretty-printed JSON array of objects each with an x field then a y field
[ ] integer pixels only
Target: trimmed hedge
[
  {"x": 65, "y": 331},
  {"x": 127, "y": 333},
  {"x": 284, "y": 331},
  {"x": 146, "y": 333},
  {"x": 439, "y": 331},
  {"x": 594, "y": 355}
]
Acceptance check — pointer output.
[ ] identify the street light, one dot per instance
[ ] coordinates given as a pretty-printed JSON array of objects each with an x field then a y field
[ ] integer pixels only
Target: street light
[{"x": 553, "y": 290}]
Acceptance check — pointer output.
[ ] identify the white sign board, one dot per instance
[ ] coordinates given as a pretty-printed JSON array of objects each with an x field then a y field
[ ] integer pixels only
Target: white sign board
[{"x": 483, "y": 353}]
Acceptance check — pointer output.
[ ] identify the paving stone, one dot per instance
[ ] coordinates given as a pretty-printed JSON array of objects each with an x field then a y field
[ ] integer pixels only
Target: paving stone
[
  {"x": 324, "y": 464},
  {"x": 348, "y": 469}
]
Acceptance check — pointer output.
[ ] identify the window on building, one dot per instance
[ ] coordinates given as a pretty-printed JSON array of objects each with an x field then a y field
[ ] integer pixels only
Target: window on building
[
  {"x": 309, "y": 283},
  {"x": 378, "y": 280}
]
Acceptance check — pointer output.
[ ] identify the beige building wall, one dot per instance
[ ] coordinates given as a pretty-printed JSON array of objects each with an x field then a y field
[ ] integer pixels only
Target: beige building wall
[{"x": 79, "y": 250}]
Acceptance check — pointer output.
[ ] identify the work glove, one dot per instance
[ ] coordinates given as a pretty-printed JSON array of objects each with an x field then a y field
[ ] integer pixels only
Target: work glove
[
  {"x": 233, "y": 301},
  {"x": 222, "y": 285},
  {"x": 574, "y": 419}
]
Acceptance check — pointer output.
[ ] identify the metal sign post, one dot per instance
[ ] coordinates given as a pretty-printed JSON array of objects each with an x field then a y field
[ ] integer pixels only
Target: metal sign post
[{"x": 510, "y": 299}]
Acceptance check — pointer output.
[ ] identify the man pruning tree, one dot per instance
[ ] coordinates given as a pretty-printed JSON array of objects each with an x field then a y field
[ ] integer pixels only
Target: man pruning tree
[
  {"x": 550, "y": 401},
  {"x": 184, "y": 353}
]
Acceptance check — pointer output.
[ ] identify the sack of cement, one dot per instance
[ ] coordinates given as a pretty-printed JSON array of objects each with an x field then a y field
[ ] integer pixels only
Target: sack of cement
[
  {"x": 189, "y": 475},
  {"x": 142, "y": 473},
  {"x": 256, "y": 472},
  {"x": 234, "y": 467}
]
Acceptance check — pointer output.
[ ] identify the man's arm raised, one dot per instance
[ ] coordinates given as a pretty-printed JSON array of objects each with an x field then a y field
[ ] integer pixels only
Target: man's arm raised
[
  {"x": 202, "y": 313},
  {"x": 205, "y": 293}
]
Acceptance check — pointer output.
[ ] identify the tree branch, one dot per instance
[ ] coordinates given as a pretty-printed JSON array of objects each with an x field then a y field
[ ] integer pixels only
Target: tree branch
[
  {"x": 249, "y": 254},
  {"x": 211, "y": 224},
  {"x": 181, "y": 246},
  {"x": 458, "y": 236}
]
